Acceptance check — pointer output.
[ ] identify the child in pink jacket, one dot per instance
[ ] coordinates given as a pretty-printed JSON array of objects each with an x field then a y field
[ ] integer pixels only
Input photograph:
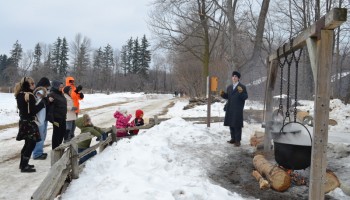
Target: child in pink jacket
[{"x": 122, "y": 121}]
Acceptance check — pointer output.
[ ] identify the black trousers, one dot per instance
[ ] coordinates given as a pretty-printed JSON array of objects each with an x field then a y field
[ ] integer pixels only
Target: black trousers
[
  {"x": 236, "y": 133},
  {"x": 26, "y": 152},
  {"x": 59, "y": 130}
]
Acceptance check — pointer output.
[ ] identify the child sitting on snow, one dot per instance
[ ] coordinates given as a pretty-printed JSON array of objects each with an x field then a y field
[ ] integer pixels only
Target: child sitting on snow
[
  {"x": 122, "y": 121},
  {"x": 138, "y": 121},
  {"x": 85, "y": 125}
]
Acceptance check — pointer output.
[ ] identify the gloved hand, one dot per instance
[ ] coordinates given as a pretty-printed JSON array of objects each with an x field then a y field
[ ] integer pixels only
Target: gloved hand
[
  {"x": 81, "y": 95},
  {"x": 222, "y": 93},
  {"x": 74, "y": 108},
  {"x": 239, "y": 89},
  {"x": 103, "y": 136},
  {"x": 56, "y": 124},
  {"x": 78, "y": 89}
]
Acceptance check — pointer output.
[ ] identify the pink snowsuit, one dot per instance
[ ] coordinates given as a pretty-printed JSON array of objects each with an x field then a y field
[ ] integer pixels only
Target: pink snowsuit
[{"x": 122, "y": 122}]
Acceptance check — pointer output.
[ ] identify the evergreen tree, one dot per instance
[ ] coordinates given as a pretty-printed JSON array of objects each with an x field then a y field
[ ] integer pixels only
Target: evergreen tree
[
  {"x": 97, "y": 69},
  {"x": 55, "y": 56},
  {"x": 82, "y": 62},
  {"x": 108, "y": 60},
  {"x": 129, "y": 48},
  {"x": 37, "y": 57},
  {"x": 63, "y": 58},
  {"x": 48, "y": 63},
  {"x": 16, "y": 54},
  {"x": 108, "y": 63},
  {"x": 124, "y": 59},
  {"x": 145, "y": 56},
  {"x": 135, "y": 57},
  {"x": 3, "y": 65}
]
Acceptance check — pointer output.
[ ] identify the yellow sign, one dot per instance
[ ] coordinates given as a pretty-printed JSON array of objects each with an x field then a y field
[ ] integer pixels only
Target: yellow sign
[{"x": 213, "y": 83}]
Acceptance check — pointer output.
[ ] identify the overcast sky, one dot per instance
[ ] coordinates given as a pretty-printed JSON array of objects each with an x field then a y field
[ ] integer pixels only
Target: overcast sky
[{"x": 103, "y": 21}]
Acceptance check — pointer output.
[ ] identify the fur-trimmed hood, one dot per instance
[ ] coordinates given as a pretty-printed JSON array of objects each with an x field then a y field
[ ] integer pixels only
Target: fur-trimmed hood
[{"x": 42, "y": 89}]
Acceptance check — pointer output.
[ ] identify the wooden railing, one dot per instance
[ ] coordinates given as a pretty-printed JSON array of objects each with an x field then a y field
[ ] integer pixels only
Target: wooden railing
[{"x": 65, "y": 161}]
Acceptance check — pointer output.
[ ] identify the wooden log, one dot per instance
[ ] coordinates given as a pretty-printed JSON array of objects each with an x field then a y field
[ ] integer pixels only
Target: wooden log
[
  {"x": 257, "y": 138},
  {"x": 332, "y": 181},
  {"x": 332, "y": 122},
  {"x": 263, "y": 183},
  {"x": 278, "y": 178},
  {"x": 301, "y": 115}
]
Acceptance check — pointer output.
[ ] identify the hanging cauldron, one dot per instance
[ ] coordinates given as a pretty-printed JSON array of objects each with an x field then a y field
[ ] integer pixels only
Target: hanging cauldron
[{"x": 292, "y": 151}]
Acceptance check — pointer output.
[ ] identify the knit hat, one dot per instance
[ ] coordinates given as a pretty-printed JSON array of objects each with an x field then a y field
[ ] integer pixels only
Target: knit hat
[
  {"x": 122, "y": 110},
  {"x": 138, "y": 113},
  {"x": 236, "y": 73},
  {"x": 66, "y": 89}
]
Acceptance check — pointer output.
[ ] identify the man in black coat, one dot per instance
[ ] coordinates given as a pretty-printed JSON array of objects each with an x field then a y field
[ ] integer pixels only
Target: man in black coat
[
  {"x": 236, "y": 94},
  {"x": 57, "y": 113}
]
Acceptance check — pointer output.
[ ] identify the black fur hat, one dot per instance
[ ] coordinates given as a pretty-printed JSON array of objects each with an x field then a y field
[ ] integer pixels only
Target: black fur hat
[
  {"x": 236, "y": 73},
  {"x": 66, "y": 89},
  {"x": 44, "y": 82}
]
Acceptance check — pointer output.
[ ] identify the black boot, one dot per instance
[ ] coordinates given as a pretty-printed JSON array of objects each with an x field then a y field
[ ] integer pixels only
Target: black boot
[
  {"x": 25, "y": 167},
  {"x": 20, "y": 164}
]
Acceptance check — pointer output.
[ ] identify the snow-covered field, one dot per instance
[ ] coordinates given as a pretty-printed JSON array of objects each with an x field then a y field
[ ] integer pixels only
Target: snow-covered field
[{"x": 164, "y": 162}]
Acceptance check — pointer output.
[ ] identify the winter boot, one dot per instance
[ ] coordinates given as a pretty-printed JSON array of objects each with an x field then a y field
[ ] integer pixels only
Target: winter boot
[
  {"x": 21, "y": 163},
  {"x": 25, "y": 167}
]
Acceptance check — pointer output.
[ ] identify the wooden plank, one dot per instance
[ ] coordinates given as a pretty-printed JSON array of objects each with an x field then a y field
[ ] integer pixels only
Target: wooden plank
[
  {"x": 52, "y": 181},
  {"x": 330, "y": 21},
  {"x": 320, "y": 131},
  {"x": 77, "y": 139},
  {"x": 56, "y": 155}
]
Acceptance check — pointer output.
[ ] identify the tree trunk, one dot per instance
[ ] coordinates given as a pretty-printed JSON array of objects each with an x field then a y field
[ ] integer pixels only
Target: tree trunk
[{"x": 278, "y": 179}]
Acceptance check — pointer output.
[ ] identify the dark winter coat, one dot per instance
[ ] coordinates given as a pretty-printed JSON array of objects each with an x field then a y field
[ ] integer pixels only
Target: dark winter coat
[
  {"x": 58, "y": 108},
  {"x": 138, "y": 121},
  {"x": 235, "y": 105},
  {"x": 28, "y": 109}
]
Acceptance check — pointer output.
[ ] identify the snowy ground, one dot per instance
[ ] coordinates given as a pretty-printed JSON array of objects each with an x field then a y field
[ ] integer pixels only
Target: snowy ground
[{"x": 174, "y": 160}]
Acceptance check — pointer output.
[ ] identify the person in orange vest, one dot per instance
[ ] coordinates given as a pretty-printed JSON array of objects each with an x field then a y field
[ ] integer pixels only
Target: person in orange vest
[{"x": 76, "y": 96}]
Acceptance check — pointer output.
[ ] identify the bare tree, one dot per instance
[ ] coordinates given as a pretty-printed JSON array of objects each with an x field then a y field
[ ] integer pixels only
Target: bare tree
[
  {"x": 187, "y": 26},
  {"x": 80, "y": 50}
]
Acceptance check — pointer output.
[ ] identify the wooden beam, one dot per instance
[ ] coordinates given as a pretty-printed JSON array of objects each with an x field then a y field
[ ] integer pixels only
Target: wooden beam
[
  {"x": 312, "y": 49},
  {"x": 330, "y": 21},
  {"x": 320, "y": 131},
  {"x": 270, "y": 85}
]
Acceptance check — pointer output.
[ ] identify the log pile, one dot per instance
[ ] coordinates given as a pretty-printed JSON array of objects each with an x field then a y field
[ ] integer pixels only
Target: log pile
[{"x": 272, "y": 176}]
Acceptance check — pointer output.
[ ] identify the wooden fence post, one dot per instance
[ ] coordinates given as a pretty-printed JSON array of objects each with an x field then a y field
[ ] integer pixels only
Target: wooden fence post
[
  {"x": 74, "y": 160},
  {"x": 56, "y": 155},
  {"x": 114, "y": 134}
]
